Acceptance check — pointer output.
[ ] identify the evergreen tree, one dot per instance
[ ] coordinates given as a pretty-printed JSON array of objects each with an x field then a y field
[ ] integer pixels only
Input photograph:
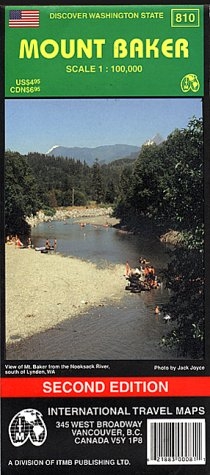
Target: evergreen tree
[
  {"x": 97, "y": 183},
  {"x": 20, "y": 193},
  {"x": 124, "y": 208}
]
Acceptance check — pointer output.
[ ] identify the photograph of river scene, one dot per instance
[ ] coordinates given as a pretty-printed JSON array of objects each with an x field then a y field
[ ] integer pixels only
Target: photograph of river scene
[{"x": 104, "y": 232}]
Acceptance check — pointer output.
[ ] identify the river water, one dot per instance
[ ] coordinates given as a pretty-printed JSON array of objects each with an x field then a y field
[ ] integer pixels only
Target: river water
[
  {"x": 100, "y": 244},
  {"x": 127, "y": 330}
]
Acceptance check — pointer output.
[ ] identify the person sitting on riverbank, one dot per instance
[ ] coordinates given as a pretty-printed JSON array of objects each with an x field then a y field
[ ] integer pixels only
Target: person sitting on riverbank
[
  {"x": 151, "y": 271},
  {"x": 154, "y": 282},
  {"x": 151, "y": 275},
  {"x": 47, "y": 244},
  {"x": 143, "y": 277},
  {"x": 9, "y": 240},
  {"x": 138, "y": 274},
  {"x": 127, "y": 269},
  {"x": 18, "y": 242},
  {"x": 146, "y": 271}
]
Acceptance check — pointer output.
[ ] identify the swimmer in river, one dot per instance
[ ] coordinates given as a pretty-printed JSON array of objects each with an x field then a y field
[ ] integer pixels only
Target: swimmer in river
[{"x": 157, "y": 310}]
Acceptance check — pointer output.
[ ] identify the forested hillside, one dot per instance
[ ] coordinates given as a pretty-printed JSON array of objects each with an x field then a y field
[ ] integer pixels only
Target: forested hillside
[{"x": 36, "y": 181}]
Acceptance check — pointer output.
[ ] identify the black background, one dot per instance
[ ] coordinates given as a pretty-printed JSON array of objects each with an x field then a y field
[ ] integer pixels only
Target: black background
[{"x": 60, "y": 445}]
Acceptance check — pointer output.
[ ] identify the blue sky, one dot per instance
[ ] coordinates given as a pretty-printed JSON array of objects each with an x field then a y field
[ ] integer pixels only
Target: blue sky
[{"x": 39, "y": 124}]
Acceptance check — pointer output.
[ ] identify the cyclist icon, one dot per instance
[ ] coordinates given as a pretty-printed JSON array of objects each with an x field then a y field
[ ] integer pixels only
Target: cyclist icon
[{"x": 190, "y": 82}]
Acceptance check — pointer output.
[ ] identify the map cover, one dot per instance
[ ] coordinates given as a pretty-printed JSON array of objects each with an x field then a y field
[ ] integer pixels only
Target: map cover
[{"x": 105, "y": 239}]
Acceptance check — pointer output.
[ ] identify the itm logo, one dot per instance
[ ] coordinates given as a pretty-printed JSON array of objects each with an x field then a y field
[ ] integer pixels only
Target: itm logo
[{"x": 27, "y": 424}]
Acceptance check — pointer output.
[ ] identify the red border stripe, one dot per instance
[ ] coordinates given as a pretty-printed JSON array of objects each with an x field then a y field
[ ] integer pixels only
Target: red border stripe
[{"x": 103, "y": 387}]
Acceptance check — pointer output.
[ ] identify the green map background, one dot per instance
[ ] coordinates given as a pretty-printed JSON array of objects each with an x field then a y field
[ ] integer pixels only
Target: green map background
[{"x": 160, "y": 77}]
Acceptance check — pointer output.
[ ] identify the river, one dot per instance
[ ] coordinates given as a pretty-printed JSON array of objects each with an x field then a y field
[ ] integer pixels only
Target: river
[
  {"x": 100, "y": 244},
  {"x": 127, "y": 330}
]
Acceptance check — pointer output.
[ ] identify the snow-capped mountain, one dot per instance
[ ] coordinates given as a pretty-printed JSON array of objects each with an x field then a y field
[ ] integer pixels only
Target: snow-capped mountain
[{"x": 103, "y": 153}]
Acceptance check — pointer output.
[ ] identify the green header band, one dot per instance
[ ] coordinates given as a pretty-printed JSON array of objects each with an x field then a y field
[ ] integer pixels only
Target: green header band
[{"x": 106, "y": 51}]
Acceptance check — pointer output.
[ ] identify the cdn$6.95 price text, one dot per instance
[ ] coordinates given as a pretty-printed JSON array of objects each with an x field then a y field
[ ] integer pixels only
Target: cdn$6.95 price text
[
  {"x": 114, "y": 68},
  {"x": 103, "y": 432}
]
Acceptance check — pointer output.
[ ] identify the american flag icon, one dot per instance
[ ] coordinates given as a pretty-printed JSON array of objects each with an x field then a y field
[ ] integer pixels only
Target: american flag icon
[{"x": 24, "y": 18}]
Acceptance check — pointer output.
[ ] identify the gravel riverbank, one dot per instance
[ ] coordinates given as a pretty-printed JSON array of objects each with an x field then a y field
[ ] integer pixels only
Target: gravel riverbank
[
  {"x": 43, "y": 290},
  {"x": 78, "y": 213}
]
